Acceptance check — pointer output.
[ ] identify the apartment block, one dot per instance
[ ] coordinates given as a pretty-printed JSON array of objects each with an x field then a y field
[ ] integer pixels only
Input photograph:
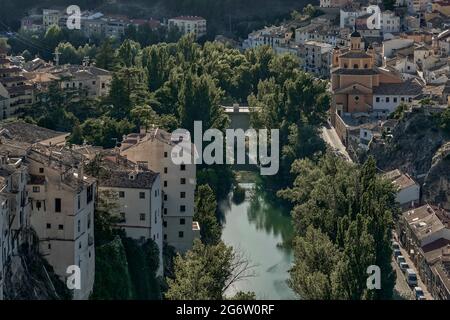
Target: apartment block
[
  {"x": 15, "y": 91},
  {"x": 152, "y": 149},
  {"x": 189, "y": 24},
  {"x": 137, "y": 193},
  {"x": 62, "y": 201}
]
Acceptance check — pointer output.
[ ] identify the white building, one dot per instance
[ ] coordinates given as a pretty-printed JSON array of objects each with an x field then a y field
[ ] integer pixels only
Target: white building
[
  {"x": 51, "y": 17},
  {"x": 316, "y": 57},
  {"x": 408, "y": 190},
  {"x": 14, "y": 214},
  {"x": 389, "y": 22},
  {"x": 189, "y": 24},
  {"x": 138, "y": 194},
  {"x": 153, "y": 150},
  {"x": 388, "y": 96},
  {"x": 390, "y": 46},
  {"x": 62, "y": 212}
]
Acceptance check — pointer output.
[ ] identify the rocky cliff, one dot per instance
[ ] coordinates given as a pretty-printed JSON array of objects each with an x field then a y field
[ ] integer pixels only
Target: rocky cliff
[
  {"x": 29, "y": 277},
  {"x": 419, "y": 148}
]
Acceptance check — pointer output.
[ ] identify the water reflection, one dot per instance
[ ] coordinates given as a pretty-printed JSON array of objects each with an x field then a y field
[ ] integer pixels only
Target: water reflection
[{"x": 257, "y": 229}]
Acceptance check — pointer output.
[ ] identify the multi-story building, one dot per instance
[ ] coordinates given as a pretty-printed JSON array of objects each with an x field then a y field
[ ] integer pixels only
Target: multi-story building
[
  {"x": 14, "y": 213},
  {"x": 189, "y": 24},
  {"x": 93, "y": 81},
  {"x": 389, "y": 22},
  {"x": 425, "y": 234},
  {"x": 153, "y": 149},
  {"x": 51, "y": 17},
  {"x": 13, "y": 87},
  {"x": 316, "y": 58},
  {"x": 62, "y": 212},
  {"x": 137, "y": 192}
]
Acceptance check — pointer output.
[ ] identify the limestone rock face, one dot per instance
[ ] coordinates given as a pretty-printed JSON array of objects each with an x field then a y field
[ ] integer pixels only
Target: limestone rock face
[
  {"x": 28, "y": 277},
  {"x": 418, "y": 147},
  {"x": 436, "y": 187}
]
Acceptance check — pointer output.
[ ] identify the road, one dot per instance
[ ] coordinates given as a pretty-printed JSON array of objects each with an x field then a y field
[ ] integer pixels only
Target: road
[
  {"x": 330, "y": 136},
  {"x": 401, "y": 279}
]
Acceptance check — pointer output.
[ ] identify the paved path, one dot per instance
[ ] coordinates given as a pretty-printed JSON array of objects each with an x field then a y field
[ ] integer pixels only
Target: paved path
[{"x": 330, "y": 136}]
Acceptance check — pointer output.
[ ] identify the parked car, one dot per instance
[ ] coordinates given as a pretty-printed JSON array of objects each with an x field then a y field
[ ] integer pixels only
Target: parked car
[
  {"x": 397, "y": 253},
  {"x": 400, "y": 259},
  {"x": 404, "y": 266},
  {"x": 418, "y": 293},
  {"x": 395, "y": 245},
  {"x": 411, "y": 277}
]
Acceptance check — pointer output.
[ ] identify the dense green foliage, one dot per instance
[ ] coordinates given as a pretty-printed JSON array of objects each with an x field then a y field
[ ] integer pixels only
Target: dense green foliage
[
  {"x": 293, "y": 102},
  {"x": 343, "y": 217},
  {"x": 206, "y": 272},
  {"x": 205, "y": 214},
  {"x": 112, "y": 278}
]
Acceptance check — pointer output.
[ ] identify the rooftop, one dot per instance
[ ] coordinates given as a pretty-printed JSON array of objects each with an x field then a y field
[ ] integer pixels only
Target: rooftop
[
  {"x": 423, "y": 221},
  {"x": 399, "y": 179},
  {"x": 410, "y": 87}
]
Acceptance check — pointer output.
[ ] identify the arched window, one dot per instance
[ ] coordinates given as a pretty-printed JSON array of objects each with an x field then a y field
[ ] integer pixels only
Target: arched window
[
  {"x": 345, "y": 66},
  {"x": 366, "y": 66},
  {"x": 355, "y": 66}
]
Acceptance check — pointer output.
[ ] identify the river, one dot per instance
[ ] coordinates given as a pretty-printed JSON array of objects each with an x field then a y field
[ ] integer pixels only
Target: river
[{"x": 256, "y": 228}]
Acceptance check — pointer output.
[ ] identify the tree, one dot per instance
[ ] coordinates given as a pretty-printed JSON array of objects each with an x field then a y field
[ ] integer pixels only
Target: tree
[
  {"x": 353, "y": 208},
  {"x": 112, "y": 279},
  {"x": 128, "y": 53},
  {"x": 206, "y": 272},
  {"x": 106, "y": 57},
  {"x": 309, "y": 11},
  {"x": 205, "y": 214}
]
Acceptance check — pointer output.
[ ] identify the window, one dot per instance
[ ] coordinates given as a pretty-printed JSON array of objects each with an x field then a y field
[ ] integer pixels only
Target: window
[
  {"x": 165, "y": 170},
  {"x": 165, "y": 210},
  {"x": 355, "y": 66},
  {"x": 57, "y": 205},
  {"x": 142, "y": 217},
  {"x": 122, "y": 217},
  {"x": 49, "y": 246},
  {"x": 165, "y": 183},
  {"x": 345, "y": 66},
  {"x": 183, "y": 181},
  {"x": 79, "y": 226},
  {"x": 395, "y": 99},
  {"x": 79, "y": 245},
  {"x": 165, "y": 154},
  {"x": 41, "y": 170},
  {"x": 165, "y": 197},
  {"x": 165, "y": 224},
  {"x": 49, "y": 226},
  {"x": 89, "y": 194},
  {"x": 182, "y": 195},
  {"x": 165, "y": 237},
  {"x": 141, "y": 195},
  {"x": 387, "y": 99},
  {"x": 183, "y": 167},
  {"x": 103, "y": 85},
  {"x": 180, "y": 234},
  {"x": 93, "y": 82},
  {"x": 60, "y": 227},
  {"x": 377, "y": 99},
  {"x": 182, "y": 221},
  {"x": 79, "y": 202},
  {"x": 121, "y": 194},
  {"x": 182, "y": 208},
  {"x": 36, "y": 189},
  {"x": 356, "y": 98}
]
